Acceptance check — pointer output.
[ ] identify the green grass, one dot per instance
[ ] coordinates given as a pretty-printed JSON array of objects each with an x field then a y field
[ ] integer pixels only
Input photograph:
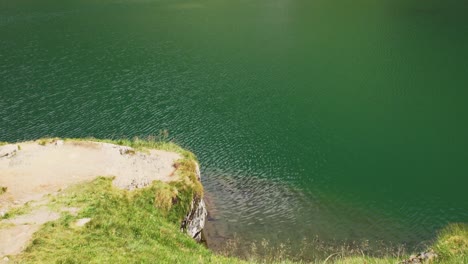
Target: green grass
[
  {"x": 15, "y": 211},
  {"x": 44, "y": 141},
  {"x": 126, "y": 227},
  {"x": 452, "y": 244},
  {"x": 2, "y": 143},
  {"x": 3, "y": 189}
]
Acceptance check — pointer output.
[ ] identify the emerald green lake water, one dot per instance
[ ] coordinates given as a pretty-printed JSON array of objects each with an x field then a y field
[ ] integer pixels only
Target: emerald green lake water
[{"x": 341, "y": 119}]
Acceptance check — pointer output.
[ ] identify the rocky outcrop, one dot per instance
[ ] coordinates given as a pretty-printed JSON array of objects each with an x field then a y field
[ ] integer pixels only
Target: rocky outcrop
[
  {"x": 76, "y": 161},
  {"x": 423, "y": 257},
  {"x": 194, "y": 221}
]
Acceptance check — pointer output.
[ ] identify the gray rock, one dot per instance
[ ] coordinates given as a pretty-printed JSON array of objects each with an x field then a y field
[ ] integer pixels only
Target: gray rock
[
  {"x": 138, "y": 184},
  {"x": 194, "y": 221},
  {"x": 82, "y": 221},
  {"x": 423, "y": 257},
  {"x": 126, "y": 150},
  {"x": 8, "y": 151}
]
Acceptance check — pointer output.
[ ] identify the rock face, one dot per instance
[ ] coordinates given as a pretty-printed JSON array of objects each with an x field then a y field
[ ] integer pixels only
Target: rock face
[{"x": 194, "y": 221}]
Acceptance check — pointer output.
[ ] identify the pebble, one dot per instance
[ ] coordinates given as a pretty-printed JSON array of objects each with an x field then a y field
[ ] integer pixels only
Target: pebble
[{"x": 82, "y": 221}]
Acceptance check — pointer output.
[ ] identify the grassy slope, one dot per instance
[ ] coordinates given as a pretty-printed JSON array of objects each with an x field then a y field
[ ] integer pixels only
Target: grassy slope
[
  {"x": 125, "y": 228},
  {"x": 143, "y": 226}
]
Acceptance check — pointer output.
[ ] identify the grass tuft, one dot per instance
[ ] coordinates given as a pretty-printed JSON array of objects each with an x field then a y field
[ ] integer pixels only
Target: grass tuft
[
  {"x": 165, "y": 197},
  {"x": 45, "y": 141},
  {"x": 15, "y": 211},
  {"x": 452, "y": 244}
]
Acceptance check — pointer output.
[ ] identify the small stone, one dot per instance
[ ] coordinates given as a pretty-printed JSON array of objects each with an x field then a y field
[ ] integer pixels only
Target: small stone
[
  {"x": 8, "y": 151},
  {"x": 6, "y": 259},
  {"x": 59, "y": 142},
  {"x": 422, "y": 257},
  {"x": 82, "y": 221},
  {"x": 126, "y": 151}
]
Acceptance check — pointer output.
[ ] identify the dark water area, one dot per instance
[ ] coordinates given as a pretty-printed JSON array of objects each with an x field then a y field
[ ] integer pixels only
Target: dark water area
[{"x": 339, "y": 119}]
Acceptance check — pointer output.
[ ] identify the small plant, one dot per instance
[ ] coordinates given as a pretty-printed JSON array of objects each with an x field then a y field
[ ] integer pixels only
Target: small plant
[
  {"x": 15, "y": 211},
  {"x": 3, "y": 189},
  {"x": 46, "y": 140},
  {"x": 452, "y": 243},
  {"x": 163, "y": 135},
  {"x": 130, "y": 152},
  {"x": 165, "y": 197},
  {"x": 19, "y": 147}
]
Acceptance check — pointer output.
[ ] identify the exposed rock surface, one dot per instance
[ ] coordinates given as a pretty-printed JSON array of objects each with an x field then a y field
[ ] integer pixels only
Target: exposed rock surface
[
  {"x": 423, "y": 257},
  {"x": 20, "y": 229},
  {"x": 82, "y": 221},
  {"x": 194, "y": 222},
  {"x": 33, "y": 170}
]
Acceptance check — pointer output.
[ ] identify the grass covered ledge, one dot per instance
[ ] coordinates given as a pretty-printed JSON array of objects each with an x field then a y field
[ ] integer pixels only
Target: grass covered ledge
[
  {"x": 142, "y": 225},
  {"x": 125, "y": 227}
]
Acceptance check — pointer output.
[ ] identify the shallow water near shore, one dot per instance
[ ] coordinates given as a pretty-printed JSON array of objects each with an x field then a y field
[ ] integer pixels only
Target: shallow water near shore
[{"x": 338, "y": 119}]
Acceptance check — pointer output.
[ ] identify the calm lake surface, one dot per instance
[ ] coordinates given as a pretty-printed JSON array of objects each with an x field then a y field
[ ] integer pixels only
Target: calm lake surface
[{"x": 341, "y": 119}]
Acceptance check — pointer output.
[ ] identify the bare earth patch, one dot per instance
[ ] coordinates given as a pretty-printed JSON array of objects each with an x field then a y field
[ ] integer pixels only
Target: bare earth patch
[
  {"x": 21, "y": 228},
  {"x": 30, "y": 170}
]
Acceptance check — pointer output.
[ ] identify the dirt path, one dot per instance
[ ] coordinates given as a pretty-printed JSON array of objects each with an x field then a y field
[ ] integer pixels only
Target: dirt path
[{"x": 30, "y": 170}]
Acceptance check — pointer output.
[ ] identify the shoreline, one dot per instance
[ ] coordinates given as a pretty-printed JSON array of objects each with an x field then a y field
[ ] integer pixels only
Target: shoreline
[
  {"x": 32, "y": 170},
  {"x": 128, "y": 212}
]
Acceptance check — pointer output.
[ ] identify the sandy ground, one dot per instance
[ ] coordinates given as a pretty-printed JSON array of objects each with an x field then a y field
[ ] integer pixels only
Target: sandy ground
[{"x": 30, "y": 171}]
